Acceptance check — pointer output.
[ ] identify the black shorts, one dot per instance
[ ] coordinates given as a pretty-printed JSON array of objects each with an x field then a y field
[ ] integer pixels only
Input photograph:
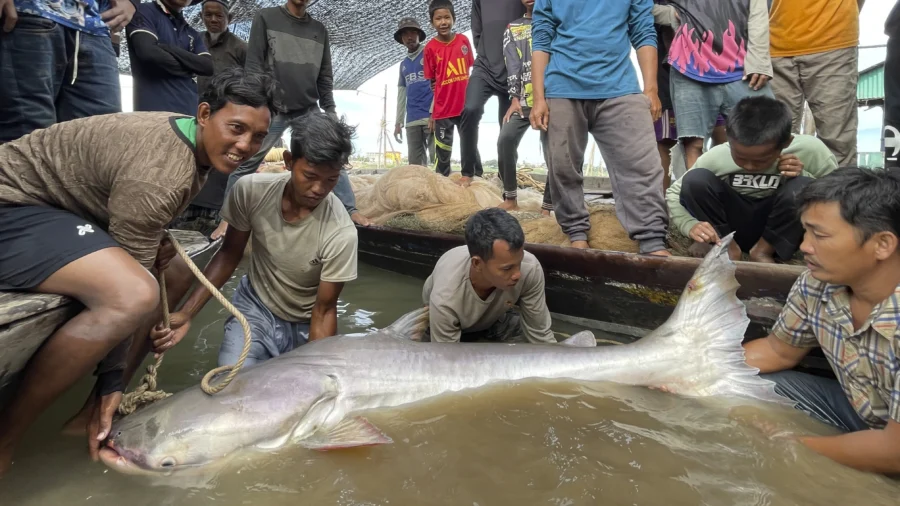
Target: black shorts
[{"x": 37, "y": 241}]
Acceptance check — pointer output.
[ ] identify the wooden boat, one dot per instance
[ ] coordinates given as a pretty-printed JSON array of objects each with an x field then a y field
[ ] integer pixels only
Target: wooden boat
[
  {"x": 28, "y": 319},
  {"x": 622, "y": 293}
]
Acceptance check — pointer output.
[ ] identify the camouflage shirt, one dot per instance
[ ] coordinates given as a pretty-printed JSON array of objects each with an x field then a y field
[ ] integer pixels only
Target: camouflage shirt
[{"x": 130, "y": 173}]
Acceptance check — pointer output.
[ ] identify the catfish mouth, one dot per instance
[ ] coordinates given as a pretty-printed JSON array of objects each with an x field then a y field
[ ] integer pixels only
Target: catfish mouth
[{"x": 127, "y": 462}]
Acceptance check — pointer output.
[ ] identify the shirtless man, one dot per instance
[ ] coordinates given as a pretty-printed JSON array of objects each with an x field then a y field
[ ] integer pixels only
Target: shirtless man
[{"x": 83, "y": 208}]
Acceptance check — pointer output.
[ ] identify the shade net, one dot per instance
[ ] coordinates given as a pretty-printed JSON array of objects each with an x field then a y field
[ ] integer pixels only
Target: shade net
[{"x": 361, "y": 32}]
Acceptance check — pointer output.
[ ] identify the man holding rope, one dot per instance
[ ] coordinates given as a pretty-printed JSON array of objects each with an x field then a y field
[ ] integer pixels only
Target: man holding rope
[
  {"x": 83, "y": 209},
  {"x": 304, "y": 249}
]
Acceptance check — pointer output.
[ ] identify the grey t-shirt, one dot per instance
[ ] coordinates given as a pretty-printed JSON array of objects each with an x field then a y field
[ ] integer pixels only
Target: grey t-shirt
[
  {"x": 454, "y": 306},
  {"x": 288, "y": 260}
]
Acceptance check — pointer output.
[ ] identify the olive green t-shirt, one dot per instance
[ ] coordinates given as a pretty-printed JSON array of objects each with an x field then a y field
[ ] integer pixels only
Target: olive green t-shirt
[
  {"x": 454, "y": 307},
  {"x": 288, "y": 260}
]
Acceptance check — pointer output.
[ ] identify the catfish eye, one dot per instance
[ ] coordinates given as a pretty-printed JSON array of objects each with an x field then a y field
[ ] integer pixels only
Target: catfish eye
[{"x": 167, "y": 462}]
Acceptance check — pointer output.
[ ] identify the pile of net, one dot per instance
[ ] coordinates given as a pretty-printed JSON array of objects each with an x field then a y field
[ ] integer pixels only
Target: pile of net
[{"x": 416, "y": 198}]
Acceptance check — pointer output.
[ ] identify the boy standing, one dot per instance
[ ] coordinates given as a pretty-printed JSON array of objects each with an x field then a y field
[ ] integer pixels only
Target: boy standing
[
  {"x": 517, "y": 54},
  {"x": 448, "y": 58},
  {"x": 414, "y": 95},
  {"x": 591, "y": 87}
]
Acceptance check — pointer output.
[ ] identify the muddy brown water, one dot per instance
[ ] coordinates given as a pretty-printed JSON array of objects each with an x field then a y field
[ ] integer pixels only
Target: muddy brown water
[{"x": 547, "y": 443}]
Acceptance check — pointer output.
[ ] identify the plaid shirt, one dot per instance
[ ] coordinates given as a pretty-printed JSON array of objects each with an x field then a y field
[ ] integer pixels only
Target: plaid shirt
[{"x": 865, "y": 361}]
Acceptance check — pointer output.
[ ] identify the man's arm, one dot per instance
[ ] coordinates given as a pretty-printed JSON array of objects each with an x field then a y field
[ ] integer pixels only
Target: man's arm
[
  {"x": 323, "y": 322},
  {"x": 533, "y": 310},
  {"x": 771, "y": 354},
  {"x": 175, "y": 61},
  {"x": 442, "y": 323},
  {"x": 401, "y": 102},
  {"x": 257, "y": 45},
  {"x": 758, "y": 60},
  {"x": 325, "y": 81},
  {"x": 642, "y": 34},
  {"x": 219, "y": 269},
  {"x": 476, "y": 22},
  {"x": 543, "y": 30},
  {"x": 874, "y": 451},
  {"x": 513, "y": 65},
  {"x": 200, "y": 64}
]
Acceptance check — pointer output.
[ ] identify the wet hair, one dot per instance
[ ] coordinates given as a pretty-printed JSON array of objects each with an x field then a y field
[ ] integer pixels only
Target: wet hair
[
  {"x": 489, "y": 225},
  {"x": 436, "y": 5},
  {"x": 869, "y": 199},
  {"x": 755, "y": 121},
  {"x": 242, "y": 87},
  {"x": 322, "y": 139}
]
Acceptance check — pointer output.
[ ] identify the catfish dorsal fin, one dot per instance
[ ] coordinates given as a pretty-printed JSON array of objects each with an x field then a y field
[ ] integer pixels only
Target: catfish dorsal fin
[
  {"x": 352, "y": 432},
  {"x": 583, "y": 339},
  {"x": 410, "y": 326}
]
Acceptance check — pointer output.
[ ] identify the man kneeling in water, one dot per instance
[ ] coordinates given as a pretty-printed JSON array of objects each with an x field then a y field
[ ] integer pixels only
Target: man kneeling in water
[
  {"x": 304, "y": 249},
  {"x": 848, "y": 302},
  {"x": 473, "y": 288}
]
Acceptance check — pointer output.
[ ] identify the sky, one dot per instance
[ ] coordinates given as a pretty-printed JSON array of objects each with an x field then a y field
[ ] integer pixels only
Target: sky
[{"x": 365, "y": 107}]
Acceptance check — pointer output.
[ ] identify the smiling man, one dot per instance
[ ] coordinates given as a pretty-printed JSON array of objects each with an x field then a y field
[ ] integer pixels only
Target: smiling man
[
  {"x": 304, "y": 248},
  {"x": 848, "y": 303},
  {"x": 749, "y": 185},
  {"x": 83, "y": 209},
  {"x": 472, "y": 291}
]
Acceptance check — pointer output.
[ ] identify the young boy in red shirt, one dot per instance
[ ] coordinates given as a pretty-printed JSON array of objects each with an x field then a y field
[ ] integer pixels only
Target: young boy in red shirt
[{"x": 448, "y": 58}]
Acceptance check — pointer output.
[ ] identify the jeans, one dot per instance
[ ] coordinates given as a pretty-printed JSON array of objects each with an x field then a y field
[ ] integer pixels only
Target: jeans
[
  {"x": 271, "y": 336},
  {"x": 821, "y": 398},
  {"x": 279, "y": 124},
  {"x": 45, "y": 81},
  {"x": 698, "y": 105}
]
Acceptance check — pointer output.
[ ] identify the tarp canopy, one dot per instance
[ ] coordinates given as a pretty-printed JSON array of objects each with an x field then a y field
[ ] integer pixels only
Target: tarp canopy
[{"x": 361, "y": 32}]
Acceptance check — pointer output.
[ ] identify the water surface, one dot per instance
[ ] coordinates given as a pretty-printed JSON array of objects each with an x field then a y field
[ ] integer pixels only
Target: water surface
[{"x": 548, "y": 443}]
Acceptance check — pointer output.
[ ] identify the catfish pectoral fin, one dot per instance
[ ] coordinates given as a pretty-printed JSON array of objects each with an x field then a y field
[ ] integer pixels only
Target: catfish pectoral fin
[{"x": 352, "y": 432}]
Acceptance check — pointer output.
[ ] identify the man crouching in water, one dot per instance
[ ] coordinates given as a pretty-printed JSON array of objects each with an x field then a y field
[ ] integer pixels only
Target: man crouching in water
[
  {"x": 83, "y": 209},
  {"x": 304, "y": 249},
  {"x": 473, "y": 288},
  {"x": 848, "y": 303}
]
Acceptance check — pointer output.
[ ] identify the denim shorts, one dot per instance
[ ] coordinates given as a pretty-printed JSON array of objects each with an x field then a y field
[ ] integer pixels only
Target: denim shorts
[
  {"x": 698, "y": 105},
  {"x": 271, "y": 335}
]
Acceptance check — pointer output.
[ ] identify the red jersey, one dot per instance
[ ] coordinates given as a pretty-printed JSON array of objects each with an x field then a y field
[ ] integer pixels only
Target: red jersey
[{"x": 448, "y": 64}]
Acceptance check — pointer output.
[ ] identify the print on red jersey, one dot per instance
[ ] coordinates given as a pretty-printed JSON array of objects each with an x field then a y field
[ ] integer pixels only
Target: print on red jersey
[{"x": 448, "y": 64}]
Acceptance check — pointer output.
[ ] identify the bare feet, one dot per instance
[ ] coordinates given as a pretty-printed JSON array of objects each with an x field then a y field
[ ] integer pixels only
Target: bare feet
[
  {"x": 580, "y": 244},
  {"x": 77, "y": 425},
  {"x": 360, "y": 219},
  {"x": 545, "y": 212},
  {"x": 509, "y": 205},
  {"x": 464, "y": 181},
  {"x": 660, "y": 253},
  {"x": 761, "y": 258},
  {"x": 762, "y": 252},
  {"x": 699, "y": 249}
]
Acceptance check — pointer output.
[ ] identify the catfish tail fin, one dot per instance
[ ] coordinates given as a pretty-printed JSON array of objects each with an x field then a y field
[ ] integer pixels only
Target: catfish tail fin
[{"x": 704, "y": 336}]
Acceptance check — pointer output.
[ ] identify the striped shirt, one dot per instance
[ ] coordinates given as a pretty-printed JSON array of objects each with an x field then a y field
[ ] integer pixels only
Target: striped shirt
[{"x": 866, "y": 361}]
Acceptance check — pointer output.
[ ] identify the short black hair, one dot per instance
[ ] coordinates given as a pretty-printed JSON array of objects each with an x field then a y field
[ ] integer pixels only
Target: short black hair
[
  {"x": 322, "y": 139},
  {"x": 440, "y": 4},
  {"x": 869, "y": 198},
  {"x": 242, "y": 87},
  {"x": 755, "y": 121},
  {"x": 489, "y": 225}
]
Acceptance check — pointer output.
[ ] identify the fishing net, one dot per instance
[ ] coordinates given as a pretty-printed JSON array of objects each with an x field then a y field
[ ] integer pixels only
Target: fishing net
[
  {"x": 417, "y": 198},
  {"x": 361, "y": 32}
]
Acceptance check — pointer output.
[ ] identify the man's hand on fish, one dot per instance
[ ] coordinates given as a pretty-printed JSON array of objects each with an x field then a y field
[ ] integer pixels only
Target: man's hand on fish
[
  {"x": 703, "y": 232},
  {"x": 101, "y": 422},
  {"x": 163, "y": 338}
]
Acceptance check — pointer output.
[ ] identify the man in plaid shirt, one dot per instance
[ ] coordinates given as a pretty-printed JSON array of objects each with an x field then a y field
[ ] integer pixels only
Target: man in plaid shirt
[{"x": 848, "y": 302}]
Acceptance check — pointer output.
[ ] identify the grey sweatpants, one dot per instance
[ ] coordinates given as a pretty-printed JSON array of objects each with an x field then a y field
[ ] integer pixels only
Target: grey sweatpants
[
  {"x": 623, "y": 129},
  {"x": 421, "y": 145}
]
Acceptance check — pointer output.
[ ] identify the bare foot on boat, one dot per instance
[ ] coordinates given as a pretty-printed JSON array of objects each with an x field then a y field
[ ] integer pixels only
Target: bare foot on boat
[
  {"x": 699, "y": 249},
  {"x": 360, "y": 219},
  {"x": 660, "y": 253},
  {"x": 545, "y": 212},
  {"x": 734, "y": 252},
  {"x": 464, "y": 181},
  {"x": 580, "y": 244},
  {"x": 509, "y": 205},
  {"x": 763, "y": 259},
  {"x": 762, "y": 252}
]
